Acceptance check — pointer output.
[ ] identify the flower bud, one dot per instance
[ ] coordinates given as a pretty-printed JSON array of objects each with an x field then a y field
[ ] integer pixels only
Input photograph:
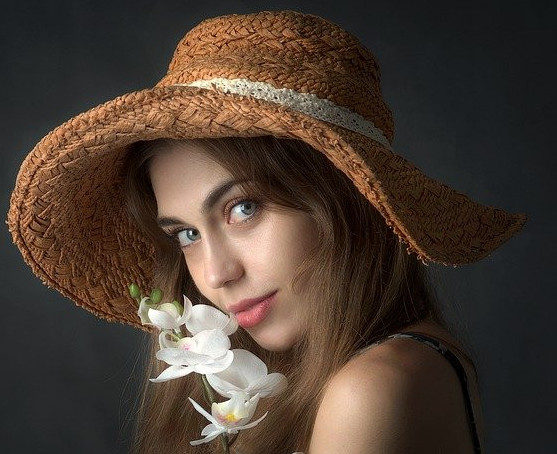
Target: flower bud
[
  {"x": 156, "y": 296},
  {"x": 134, "y": 290},
  {"x": 178, "y": 306},
  {"x": 169, "y": 308}
]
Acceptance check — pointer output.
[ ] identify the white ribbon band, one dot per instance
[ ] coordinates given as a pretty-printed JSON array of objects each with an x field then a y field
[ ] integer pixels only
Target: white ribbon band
[{"x": 306, "y": 103}]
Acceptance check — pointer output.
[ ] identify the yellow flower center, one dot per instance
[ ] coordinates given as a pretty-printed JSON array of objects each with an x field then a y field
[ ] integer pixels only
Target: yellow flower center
[{"x": 231, "y": 417}]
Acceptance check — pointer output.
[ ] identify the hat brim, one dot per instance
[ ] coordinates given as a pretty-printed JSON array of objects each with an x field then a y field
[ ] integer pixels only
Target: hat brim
[{"x": 67, "y": 211}]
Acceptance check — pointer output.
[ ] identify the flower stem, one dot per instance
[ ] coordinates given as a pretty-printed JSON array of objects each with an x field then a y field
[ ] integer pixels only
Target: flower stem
[
  {"x": 225, "y": 445},
  {"x": 207, "y": 391},
  {"x": 175, "y": 336},
  {"x": 232, "y": 439}
]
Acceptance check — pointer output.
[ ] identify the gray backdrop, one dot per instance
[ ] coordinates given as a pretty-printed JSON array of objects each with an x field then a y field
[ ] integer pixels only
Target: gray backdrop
[{"x": 472, "y": 88}]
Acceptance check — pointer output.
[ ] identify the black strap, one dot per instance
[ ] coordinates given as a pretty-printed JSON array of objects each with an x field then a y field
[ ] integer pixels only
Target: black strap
[{"x": 459, "y": 369}]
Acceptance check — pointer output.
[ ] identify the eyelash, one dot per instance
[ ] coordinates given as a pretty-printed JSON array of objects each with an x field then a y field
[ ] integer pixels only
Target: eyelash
[
  {"x": 235, "y": 202},
  {"x": 173, "y": 233}
]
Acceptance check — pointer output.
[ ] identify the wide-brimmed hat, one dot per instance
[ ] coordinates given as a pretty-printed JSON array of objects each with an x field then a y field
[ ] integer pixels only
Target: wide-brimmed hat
[{"x": 285, "y": 74}]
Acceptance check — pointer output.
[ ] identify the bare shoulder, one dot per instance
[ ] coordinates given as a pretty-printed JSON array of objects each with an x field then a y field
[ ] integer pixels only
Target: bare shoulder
[{"x": 399, "y": 396}]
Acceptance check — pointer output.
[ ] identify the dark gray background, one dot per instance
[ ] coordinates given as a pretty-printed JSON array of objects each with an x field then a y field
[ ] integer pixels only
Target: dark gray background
[{"x": 472, "y": 88}]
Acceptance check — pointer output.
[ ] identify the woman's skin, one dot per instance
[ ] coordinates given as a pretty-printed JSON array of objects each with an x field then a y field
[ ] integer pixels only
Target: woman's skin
[{"x": 399, "y": 396}]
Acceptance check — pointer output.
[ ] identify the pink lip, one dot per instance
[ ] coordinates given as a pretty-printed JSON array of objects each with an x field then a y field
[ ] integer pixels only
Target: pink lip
[{"x": 251, "y": 312}]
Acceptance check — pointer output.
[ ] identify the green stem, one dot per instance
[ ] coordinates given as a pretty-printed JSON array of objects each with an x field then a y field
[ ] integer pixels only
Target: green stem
[
  {"x": 224, "y": 443},
  {"x": 207, "y": 391},
  {"x": 175, "y": 336},
  {"x": 232, "y": 439}
]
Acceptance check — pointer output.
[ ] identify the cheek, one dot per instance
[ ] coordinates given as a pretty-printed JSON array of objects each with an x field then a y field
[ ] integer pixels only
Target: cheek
[{"x": 296, "y": 244}]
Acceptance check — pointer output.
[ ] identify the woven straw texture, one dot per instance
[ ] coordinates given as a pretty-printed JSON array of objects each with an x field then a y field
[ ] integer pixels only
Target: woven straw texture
[{"x": 67, "y": 214}]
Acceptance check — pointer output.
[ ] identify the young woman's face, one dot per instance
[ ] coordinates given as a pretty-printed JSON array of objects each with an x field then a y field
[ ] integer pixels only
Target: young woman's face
[{"x": 241, "y": 254}]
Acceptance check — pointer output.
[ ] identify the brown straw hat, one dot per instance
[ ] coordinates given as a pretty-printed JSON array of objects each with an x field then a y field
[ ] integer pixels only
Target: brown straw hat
[{"x": 284, "y": 74}]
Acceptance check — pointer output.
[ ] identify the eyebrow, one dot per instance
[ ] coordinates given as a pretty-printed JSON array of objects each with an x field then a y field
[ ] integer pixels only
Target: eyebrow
[{"x": 210, "y": 201}]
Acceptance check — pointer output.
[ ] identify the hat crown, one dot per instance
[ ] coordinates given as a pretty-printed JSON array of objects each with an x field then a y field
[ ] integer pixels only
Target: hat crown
[{"x": 285, "y": 49}]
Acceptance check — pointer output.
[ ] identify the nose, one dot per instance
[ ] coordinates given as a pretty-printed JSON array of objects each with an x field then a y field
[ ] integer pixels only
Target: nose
[{"x": 222, "y": 265}]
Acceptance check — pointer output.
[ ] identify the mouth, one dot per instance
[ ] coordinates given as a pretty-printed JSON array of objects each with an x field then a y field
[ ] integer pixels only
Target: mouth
[{"x": 251, "y": 312}]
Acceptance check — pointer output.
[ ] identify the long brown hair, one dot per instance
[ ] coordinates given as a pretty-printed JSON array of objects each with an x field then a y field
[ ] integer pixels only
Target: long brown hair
[{"x": 364, "y": 286}]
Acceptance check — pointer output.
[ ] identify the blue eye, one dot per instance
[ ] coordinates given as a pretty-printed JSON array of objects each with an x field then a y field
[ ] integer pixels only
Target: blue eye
[
  {"x": 188, "y": 236},
  {"x": 241, "y": 211}
]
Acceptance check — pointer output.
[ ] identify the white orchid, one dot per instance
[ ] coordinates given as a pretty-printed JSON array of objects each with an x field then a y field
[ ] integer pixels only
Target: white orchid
[
  {"x": 207, "y": 352},
  {"x": 236, "y": 374},
  {"x": 228, "y": 417},
  {"x": 168, "y": 316},
  {"x": 247, "y": 374}
]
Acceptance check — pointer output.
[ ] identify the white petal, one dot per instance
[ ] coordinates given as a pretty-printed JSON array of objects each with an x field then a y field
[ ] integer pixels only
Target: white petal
[
  {"x": 231, "y": 326},
  {"x": 214, "y": 366},
  {"x": 143, "y": 310},
  {"x": 244, "y": 370},
  {"x": 164, "y": 341},
  {"x": 205, "y": 413},
  {"x": 251, "y": 367},
  {"x": 223, "y": 387},
  {"x": 236, "y": 412},
  {"x": 268, "y": 386},
  {"x": 162, "y": 319},
  {"x": 208, "y": 438},
  {"x": 171, "y": 373},
  {"x": 181, "y": 357},
  {"x": 247, "y": 373},
  {"x": 204, "y": 317},
  {"x": 187, "y": 306},
  {"x": 252, "y": 424},
  {"x": 209, "y": 429},
  {"x": 252, "y": 405},
  {"x": 213, "y": 343},
  {"x": 186, "y": 313},
  {"x": 170, "y": 309},
  {"x": 236, "y": 407}
]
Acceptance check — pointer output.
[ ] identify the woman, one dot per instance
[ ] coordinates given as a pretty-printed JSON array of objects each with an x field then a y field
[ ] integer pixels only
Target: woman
[{"x": 260, "y": 172}]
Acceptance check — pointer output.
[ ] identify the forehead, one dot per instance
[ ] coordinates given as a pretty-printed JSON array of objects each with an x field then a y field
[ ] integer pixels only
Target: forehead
[{"x": 183, "y": 173}]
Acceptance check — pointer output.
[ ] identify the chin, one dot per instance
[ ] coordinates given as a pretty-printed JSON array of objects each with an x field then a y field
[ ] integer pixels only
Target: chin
[{"x": 274, "y": 343}]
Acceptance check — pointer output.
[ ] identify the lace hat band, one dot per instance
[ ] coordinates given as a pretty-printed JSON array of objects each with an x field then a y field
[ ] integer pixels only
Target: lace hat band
[{"x": 306, "y": 103}]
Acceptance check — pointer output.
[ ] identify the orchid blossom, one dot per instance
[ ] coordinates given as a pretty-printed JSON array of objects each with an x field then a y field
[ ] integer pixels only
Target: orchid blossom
[
  {"x": 228, "y": 417},
  {"x": 247, "y": 374},
  {"x": 165, "y": 316},
  {"x": 207, "y": 352}
]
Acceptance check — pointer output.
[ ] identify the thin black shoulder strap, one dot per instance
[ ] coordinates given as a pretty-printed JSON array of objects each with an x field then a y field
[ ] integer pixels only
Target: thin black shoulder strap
[{"x": 459, "y": 369}]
